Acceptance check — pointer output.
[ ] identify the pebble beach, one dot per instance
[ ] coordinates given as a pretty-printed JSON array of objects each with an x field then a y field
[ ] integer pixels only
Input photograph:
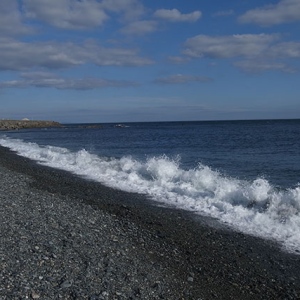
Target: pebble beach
[{"x": 64, "y": 237}]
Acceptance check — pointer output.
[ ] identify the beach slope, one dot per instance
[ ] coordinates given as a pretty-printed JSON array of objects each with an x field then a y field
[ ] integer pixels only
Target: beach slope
[{"x": 64, "y": 237}]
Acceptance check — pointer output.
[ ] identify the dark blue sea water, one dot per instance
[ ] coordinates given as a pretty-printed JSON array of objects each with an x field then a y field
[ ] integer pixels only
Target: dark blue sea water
[{"x": 244, "y": 173}]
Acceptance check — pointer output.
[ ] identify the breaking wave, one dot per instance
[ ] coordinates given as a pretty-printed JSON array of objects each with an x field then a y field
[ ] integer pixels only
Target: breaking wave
[{"x": 253, "y": 207}]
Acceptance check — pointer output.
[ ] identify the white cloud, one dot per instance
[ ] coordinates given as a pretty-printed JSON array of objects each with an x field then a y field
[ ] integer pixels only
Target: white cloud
[
  {"x": 140, "y": 27},
  {"x": 178, "y": 59},
  {"x": 174, "y": 15},
  {"x": 131, "y": 9},
  {"x": 68, "y": 14},
  {"x": 256, "y": 52},
  {"x": 181, "y": 79},
  {"x": 262, "y": 66},
  {"x": 48, "y": 80},
  {"x": 248, "y": 45},
  {"x": 16, "y": 55},
  {"x": 283, "y": 12},
  {"x": 286, "y": 50},
  {"x": 11, "y": 22},
  {"x": 74, "y": 14},
  {"x": 37, "y": 75}
]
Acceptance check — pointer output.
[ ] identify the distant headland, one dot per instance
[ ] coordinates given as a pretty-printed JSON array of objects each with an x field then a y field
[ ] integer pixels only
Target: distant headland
[{"x": 25, "y": 123}]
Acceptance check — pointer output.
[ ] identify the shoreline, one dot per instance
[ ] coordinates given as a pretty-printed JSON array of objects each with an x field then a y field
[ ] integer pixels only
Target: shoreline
[
  {"x": 170, "y": 254},
  {"x": 25, "y": 124}
]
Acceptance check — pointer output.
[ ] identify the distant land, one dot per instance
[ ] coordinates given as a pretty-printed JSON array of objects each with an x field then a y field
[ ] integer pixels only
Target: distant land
[{"x": 25, "y": 123}]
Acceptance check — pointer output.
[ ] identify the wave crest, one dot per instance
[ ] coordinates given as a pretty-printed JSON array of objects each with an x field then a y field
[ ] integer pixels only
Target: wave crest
[{"x": 252, "y": 207}]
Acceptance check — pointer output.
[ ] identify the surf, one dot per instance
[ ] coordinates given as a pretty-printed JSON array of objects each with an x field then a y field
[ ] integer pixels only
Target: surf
[{"x": 253, "y": 207}]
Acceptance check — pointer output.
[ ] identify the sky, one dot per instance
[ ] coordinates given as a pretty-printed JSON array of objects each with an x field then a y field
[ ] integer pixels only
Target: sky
[{"x": 81, "y": 61}]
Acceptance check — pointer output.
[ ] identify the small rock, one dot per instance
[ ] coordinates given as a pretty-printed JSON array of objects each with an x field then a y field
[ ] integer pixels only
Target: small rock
[
  {"x": 34, "y": 295},
  {"x": 66, "y": 284}
]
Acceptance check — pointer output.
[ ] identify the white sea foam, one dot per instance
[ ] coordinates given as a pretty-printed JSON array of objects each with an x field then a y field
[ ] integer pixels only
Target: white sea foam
[{"x": 251, "y": 207}]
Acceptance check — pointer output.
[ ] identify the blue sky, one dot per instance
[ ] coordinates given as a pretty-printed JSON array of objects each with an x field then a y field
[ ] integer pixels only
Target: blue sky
[{"x": 151, "y": 60}]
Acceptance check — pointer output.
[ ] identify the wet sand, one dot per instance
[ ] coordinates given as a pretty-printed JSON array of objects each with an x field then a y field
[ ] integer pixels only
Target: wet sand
[{"x": 64, "y": 237}]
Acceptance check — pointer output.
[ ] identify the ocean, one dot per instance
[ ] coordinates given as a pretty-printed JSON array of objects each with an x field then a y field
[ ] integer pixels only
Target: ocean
[{"x": 245, "y": 174}]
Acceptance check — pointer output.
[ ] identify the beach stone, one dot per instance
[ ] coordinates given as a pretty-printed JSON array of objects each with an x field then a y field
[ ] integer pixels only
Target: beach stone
[
  {"x": 66, "y": 284},
  {"x": 35, "y": 295}
]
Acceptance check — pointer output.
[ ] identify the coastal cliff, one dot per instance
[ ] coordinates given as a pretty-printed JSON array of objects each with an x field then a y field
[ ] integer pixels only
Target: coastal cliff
[{"x": 22, "y": 124}]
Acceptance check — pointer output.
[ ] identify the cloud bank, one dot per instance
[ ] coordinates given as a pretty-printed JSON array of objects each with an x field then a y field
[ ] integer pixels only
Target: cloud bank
[
  {"x": 284, "y": 12},
  {"x": 48, "y": 80},
  {"x": 174, "y": 15},
  {"x": 182, "y": 79},
  {"x": 17, "y": 55},
  {"x": 255, "y": 52}
]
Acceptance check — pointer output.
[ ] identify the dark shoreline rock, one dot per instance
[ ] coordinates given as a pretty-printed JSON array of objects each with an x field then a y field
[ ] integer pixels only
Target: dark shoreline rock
[
  {"x": 23, "y": 124},
  {"x": 78, "y": 239}
]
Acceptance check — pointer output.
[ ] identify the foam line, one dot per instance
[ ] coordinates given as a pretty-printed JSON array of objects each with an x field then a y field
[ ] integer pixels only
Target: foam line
[{"x": 252, "y": 207}]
